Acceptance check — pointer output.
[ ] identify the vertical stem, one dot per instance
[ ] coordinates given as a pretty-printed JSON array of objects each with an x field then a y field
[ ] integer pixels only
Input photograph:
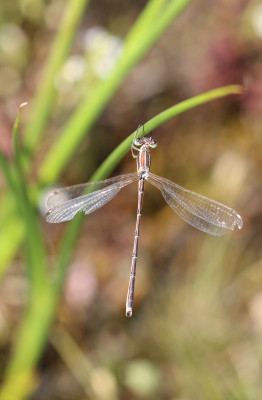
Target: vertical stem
[{"x": 46, "y": 93}]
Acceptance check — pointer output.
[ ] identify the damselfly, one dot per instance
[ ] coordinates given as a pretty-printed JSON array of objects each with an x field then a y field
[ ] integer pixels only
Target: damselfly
[{"x": 199, "y": 211}]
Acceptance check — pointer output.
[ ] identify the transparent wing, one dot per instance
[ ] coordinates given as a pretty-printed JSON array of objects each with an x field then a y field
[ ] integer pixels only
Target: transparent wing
[
  {"x": 65, "y": 202},
  {"x": 199, "y": 211}
]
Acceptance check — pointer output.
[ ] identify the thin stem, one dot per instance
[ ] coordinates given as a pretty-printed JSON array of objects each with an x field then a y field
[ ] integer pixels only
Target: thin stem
[
  {"x": 46, "y": 93},
  {"x": 34, "y": 243},
  {"x": 112, "y": 160}
]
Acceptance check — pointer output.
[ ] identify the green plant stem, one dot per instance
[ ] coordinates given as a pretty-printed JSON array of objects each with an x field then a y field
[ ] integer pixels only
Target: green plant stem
[
  {"x": 38, "y": 316},
  {"x": 11, "y": 235},
  {"x": 90, "y": 108},
  {"x": 146, "y": 20},
  {"x": 19, "y": 378},
  {"x": 12, "y": 232},
  {"x": 9, "y": 173},
  {"x": 13, "y": 228},
  {"x": 34, "y": 242},
  {"x": 46, "y": 93},
  {"x": 111, "y": 161}
]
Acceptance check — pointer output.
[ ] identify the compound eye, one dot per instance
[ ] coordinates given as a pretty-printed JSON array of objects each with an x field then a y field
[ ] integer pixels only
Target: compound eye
[
  {"x": 154, "y": 144},
  {"x": 137, "y": 141}
]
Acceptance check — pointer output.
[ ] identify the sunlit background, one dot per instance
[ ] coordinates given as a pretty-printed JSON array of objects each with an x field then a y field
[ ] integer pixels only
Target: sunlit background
[{"x": 197, "y": 324}]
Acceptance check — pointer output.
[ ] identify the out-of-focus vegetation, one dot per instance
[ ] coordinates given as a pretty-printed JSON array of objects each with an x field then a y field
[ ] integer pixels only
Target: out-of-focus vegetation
[{"x": 92, "y": 71}]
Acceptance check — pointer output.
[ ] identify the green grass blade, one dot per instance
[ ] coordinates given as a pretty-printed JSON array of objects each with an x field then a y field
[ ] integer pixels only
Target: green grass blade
[
  {"x": 46, "y": 93},
  {"x": 19, "y": 378},
  {"x": 110, "y": 163},
  {"x": 33, "y": 330},
  {"x": 34, "y": 242},
  {"x": 8, "y": 172},
  {"x": 11, "y": 235},
  {"x": 11, "y": 227},
  {"x": 145, "y": 21},
  {"x": 15, "y": 132},
  {"x": 159, "y": 17}
]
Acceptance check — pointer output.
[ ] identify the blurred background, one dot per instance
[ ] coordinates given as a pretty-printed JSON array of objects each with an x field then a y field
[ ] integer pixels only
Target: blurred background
[{"x": 197, "y": 324}]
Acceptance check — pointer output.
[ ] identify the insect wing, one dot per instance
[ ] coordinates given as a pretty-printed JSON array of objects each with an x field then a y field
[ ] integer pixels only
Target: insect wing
[
  {"x": 197, "y": 210},
  {"x": 66, "y": 202}
]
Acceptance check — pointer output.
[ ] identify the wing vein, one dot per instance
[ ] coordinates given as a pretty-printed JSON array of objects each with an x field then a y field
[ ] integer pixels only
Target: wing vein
[
  {"x": 66, "y": 202},
  {"x": 199, "y": 211}
]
